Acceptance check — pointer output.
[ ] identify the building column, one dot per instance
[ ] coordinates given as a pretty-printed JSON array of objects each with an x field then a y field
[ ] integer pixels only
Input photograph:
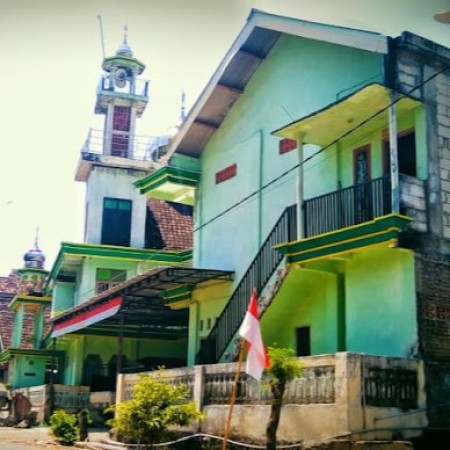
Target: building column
[
  {"x": 38, "y": 327},
  {"x": 395, "y": 188},
  {"x": 18, "y": 326},
  {"x": 300, "y": 188}
]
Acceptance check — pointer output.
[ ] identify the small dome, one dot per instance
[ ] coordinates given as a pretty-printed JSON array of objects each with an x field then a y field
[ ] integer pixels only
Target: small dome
[
  {"x": 34, "y": 259},
  {"x": 124, "y": 49}
]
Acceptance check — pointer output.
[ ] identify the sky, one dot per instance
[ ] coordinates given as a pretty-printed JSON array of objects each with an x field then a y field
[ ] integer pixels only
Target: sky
[{"x": 51, "y": 53}]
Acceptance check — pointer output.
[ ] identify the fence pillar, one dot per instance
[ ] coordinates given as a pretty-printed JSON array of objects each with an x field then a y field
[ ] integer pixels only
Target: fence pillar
[
  {"x": 120, "y": 388},
  {"x": 199, "y": 388}
]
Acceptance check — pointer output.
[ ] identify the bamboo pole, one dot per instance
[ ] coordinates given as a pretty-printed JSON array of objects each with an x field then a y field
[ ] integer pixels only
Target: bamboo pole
[{"x": 233, "y": 393}]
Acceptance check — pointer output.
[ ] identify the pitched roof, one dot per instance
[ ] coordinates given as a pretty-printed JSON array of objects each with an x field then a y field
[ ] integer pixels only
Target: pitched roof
[
  {"x": 250, "y": 48},
  {"x": 169, "y": 225}
]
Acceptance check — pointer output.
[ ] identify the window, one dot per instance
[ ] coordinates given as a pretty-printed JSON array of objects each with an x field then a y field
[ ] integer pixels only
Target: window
[
  {"x": 406, "y": 150},
  {"x": 303, "y": 338},
  {"x": 362, "y": 188},
  {"x": 107, "y": 278},
  {"x": 116, "y": 222},
  {"x": 121, "y": 129},
  {"x": 361, "y": 165}
]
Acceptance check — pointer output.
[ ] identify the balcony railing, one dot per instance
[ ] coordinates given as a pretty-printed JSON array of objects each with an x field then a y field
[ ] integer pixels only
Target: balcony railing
[
  {"x": 347, "y": 207},
  {"x": 123, "y": 145}
]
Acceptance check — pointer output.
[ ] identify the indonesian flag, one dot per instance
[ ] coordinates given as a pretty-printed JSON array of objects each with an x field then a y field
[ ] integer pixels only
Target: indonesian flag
[{"x": 257, "y": 358}]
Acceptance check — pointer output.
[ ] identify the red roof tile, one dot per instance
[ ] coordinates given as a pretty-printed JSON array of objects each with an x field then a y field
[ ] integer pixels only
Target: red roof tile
[{"x": 169, "y": 225}]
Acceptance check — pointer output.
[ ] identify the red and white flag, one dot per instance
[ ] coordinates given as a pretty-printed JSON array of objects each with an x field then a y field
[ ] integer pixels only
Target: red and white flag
[{"x": 257, "y": 358}]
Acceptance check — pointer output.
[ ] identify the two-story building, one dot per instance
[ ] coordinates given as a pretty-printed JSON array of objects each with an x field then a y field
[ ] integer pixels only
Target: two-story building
[{"x": 317, "y": 159}]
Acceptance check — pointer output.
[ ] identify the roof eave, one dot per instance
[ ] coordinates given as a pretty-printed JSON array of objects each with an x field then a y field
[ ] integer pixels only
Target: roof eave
[{"x": 361, "y": 39}]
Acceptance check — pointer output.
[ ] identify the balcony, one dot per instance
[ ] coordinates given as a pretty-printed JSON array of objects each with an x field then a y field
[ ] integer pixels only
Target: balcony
[
  {"x": 355, "y": 218},
  {"x": 120, "y": 149},
  {"x": 108, "y": 89},
  {"x": 363, "y": 203}
]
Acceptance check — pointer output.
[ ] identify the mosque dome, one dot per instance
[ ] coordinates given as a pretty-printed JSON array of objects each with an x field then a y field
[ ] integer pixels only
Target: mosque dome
[
  {"x": 34, "y": 258},
  {"x": 124, "y": 49}
]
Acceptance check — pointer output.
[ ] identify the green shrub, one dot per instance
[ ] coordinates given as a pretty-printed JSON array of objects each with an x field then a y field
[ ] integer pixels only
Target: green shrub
[
  {"x": 284, "y": 368},
  {"x": 155, "y": 405},
  {"x": 63, "y": 427}
]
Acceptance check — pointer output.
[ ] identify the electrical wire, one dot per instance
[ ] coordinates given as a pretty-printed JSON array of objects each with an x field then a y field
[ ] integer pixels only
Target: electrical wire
[{"x": 321, "y": 150}]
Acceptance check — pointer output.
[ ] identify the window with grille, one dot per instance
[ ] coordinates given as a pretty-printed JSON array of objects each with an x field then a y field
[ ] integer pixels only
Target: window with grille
[{"x": 107, "y": 278}]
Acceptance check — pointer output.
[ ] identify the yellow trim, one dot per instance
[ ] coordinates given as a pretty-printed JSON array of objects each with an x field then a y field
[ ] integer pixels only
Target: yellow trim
[
  {"x": 164, "y": 177},
  {"x": 314, "y": 249},
  {"x": 364, "y": 224},
  {"x": 356, "y": 250},
  {"x": 32, "y": 297},
  {"x": 181, "y": 304}
]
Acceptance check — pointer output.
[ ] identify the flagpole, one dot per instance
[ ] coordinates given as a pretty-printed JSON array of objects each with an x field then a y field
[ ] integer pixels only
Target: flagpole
[{"x": 234, "y": 393}]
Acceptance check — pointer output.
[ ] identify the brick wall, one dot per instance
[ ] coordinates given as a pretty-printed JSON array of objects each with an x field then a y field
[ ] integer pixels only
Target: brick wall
[{"x": 420, "y": 63}]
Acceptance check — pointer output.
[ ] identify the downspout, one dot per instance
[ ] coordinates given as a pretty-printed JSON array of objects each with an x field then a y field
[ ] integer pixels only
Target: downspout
[{"x": 300, "y": 187}]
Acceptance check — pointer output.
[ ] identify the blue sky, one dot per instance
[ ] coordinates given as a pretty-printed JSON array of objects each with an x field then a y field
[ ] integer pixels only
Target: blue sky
[{"x": 51, "y": 61}]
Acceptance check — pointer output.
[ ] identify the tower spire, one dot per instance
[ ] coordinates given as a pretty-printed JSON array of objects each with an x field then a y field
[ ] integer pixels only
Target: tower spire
[
  {"x": 183, "y": 106},
  {"x": 125, "y": 35},
  {"x": 36, "y": 239}
]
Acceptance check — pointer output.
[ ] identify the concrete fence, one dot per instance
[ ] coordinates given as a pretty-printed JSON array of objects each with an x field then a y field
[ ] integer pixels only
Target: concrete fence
[{"x": 342, "y": 394}]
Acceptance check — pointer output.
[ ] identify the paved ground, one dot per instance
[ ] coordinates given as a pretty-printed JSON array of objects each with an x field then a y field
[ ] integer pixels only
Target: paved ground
[{"x": 37, "y": 438}]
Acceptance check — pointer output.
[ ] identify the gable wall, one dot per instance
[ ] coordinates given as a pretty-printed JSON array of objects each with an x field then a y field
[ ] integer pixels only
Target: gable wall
[{"x": 298, "y": 77}]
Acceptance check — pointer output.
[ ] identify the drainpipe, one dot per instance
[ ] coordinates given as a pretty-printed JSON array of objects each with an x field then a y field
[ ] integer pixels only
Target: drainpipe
[
  {"x": 395, "y": 188},
  {"x": 300, "y": 187}
]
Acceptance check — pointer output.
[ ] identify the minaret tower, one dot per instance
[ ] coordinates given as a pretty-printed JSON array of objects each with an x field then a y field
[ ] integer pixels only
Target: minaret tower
[
  {"x": 30, "y": 297},
  {"x": 113, "y": 158}
]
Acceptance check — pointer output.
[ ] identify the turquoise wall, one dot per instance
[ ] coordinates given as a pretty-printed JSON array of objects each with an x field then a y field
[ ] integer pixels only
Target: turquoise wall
[
  {"x": 63, "y": 296},
  {"x": 380, "y": 302},
  {"x": 86, "y": 286},
  {"x": 27, "y": 371},
  {"x": 306, "y": 298},
  {"x": 275, "y": 96},
  {"x": 365, "y": 302}
]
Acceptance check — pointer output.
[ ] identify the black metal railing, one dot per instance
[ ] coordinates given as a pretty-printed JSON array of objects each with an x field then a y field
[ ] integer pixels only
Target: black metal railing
[
  {"x": 256, "y": 276},
  {"x": 347, "y": 207}
]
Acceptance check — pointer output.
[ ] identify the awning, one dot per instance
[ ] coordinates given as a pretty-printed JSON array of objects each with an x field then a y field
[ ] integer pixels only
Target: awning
[
  {"x": 151, "y": 304},
  {"x": 364, "y": 112},
  {"x": 89, "y": 317}
]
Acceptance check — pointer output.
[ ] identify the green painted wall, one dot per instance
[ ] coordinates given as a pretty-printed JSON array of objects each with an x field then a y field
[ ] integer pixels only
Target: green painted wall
[
  {"x": 63, "y": 297},
  {"x": 86, "y": 286},
  {"x": 207, "y": 304},
  {"x": 380, "y": 302},
  {"x": 27, "y": 371},
  {"x": 274, "y": 97},
  {"x": 306, "y": 298},
  {"x": 376, "y": 145},
  {"x": 346, "y": 303}
]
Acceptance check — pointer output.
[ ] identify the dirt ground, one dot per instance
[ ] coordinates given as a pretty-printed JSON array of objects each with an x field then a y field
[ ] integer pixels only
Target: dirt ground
[{"x": 40, "y": 438}]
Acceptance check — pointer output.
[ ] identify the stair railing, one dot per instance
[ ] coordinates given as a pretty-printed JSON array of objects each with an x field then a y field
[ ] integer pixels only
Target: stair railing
[{"x": 257, "y": 276}]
